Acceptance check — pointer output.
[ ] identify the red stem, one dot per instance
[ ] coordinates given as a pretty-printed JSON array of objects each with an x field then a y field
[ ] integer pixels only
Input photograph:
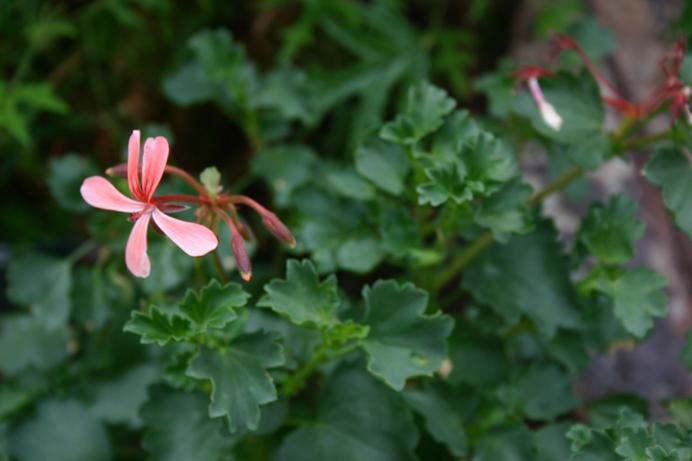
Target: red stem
[
  {"x": 244, "y": 200},
  {"x": 187, "y": 177},
  {"x": 182, "y": 198}
]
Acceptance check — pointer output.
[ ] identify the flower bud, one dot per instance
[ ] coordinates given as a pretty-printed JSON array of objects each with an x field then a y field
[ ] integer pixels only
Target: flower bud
[
  {"x": 278, "y": 229},
  {"x": 241, "y": 256},
  {"x": 168, "y": 207},
  {"x": 547, "y": 111},
  {"x": 117, "y": 171}
]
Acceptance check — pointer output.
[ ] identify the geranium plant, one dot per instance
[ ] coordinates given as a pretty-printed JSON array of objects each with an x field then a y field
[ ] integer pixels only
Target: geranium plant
[{"x": 420, "y": 303}]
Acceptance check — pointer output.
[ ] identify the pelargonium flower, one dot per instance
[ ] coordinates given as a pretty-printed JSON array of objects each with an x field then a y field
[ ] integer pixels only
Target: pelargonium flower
[{"x": 194, "y": 239}]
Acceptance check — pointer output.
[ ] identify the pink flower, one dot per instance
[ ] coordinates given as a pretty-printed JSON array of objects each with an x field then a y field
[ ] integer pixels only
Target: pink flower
[{"x": 194, "y": 239}]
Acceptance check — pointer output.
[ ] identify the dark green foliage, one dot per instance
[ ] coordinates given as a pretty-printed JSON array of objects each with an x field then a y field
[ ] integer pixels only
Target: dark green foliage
[{"x": 431, "y": 309}]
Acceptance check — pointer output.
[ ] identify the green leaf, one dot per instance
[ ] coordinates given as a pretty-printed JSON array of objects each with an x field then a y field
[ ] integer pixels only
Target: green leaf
[
  {"x": 357, "y": 419},
  {"x": 445, "y": 182},
  {"x": 383, "y": 163},
  {"x": 671, "y": 170},
  {"x": 528, "y": 275},
  {"x": 631, "y": 439},
  {"x": 65, "y": 175},
  {"x": 578, "y": 102},
  {"x": 39, "y": 96},
  {"x": 359, "y": 254},
  {"x": 477, "y": 360},
  {"x": 288, "y": 90},
  {"x": 156, "y": 326},
  {"x": 609, "y": 231},
  {"x": 25, "y": 343},
  {"x": 346, "y": 182},
  {"x": 4, "y": 442},
  {"x": 61, "y": 431},
  {"x": 686, "y": 354},
  {"x": 397, "y": 228},
  {"x": 594, "y": 38},
  {"x": 301, "y": 296},
  {"x": 225, "y": 63},
  {"x": 118, "y": 400},
  {"x": 403, "y": 342},
  {"x": 42, "y": 283},
  {"x": 551, "y": 442},
  {"x": 170, "y": 267},
  {"x": 239, "y": 379},
  {"x": 179, "y": 428},
  {"x": 505, "y": 212},
  {"x": 327, "y": 223},
  {"x": 213, "y": 306},
  {"x": 681, "y": 410},
  {"x": 423, "y": 113},
  {"x": 545, "y": 392},
  {"x": 12, "y": 399},
  {"x": 498, "y": 88},
  {"x": 189, "y": 84},
  {"x": 210, "y": 178},
  {"x": 285, "y": 169},
  {"x": 478, "y": 168},
  {"x": 507, "y": 444},
  {"x": 46, "y": 29},
  {"x": 637, "y": 298},
  {"x": 95, "y": 296},
  {"x": 435, "y": 403}
]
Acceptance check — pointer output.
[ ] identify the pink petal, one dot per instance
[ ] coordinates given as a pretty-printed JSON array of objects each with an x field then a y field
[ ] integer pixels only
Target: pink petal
[
  {"x": 136, "y": 251},
  {"x": 194, "y": 239},
  {"x": 133, "y": 166},
  {"x": 154, "y": 163},
  {"x": 100, "y": 193}
]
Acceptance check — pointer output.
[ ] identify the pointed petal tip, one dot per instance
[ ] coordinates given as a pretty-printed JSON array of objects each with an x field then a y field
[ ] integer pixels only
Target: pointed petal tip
[
  {"x": 246, "y": 276},
  {"x": 194, "y": 239}
]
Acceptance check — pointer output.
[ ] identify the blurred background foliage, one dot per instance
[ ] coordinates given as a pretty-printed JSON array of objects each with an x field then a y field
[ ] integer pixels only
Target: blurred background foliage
[
  {"x": 78, "y": 76},
  {"x": 263, "y": 90}
]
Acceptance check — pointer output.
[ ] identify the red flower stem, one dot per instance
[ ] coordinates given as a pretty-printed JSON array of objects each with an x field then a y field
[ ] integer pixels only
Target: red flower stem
[
  {"x": 228, "y": 220},
  {"x": 187, "y": 177},
  {"x": 183, "y": 198},
  {"x": 244, "y": 200},
  {"x": 567, "y": 43}
]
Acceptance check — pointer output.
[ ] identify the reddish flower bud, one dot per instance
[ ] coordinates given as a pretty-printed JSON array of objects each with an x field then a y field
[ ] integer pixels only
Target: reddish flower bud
[
  {"x": 278, "y": 229},
  {"x": 241, "y": 256},
  {"x": 117, "y": 171},
  {"x": 168, "y": 207}
]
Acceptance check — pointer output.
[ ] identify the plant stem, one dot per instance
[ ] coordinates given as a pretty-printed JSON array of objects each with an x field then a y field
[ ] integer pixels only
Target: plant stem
[
  {"x": 182, "y": 198},
  {"x": 644, "y": 141},
  {"x": 296, "y": 381},
  {"x": 219, "y": 265},
  {"x": 81, "y": 251},
  {"x": 187, "y": 177},
  {"x": 558, "y": 184},
  {"x": 484, "y": 240}
]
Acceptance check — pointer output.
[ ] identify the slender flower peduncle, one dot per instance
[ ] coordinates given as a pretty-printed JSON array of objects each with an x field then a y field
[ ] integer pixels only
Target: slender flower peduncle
[{"x": 273, "y": 224}]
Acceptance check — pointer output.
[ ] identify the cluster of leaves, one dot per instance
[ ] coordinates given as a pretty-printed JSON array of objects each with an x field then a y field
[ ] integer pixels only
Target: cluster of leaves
[
  {"x": 630, "y": 437},
  {"x": 461, "y": 318}
]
